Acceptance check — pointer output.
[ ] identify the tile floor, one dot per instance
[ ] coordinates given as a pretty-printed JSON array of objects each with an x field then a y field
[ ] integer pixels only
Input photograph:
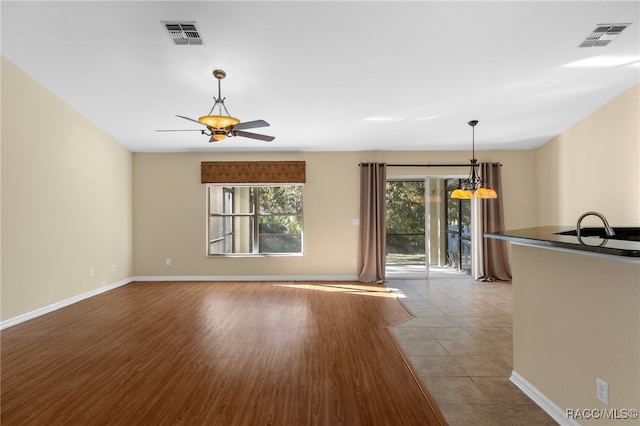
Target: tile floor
[{"x": 460, "y": 345}]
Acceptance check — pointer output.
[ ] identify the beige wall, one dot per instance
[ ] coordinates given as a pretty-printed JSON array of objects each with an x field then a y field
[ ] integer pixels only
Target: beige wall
[
  {"x": 594, "y": 165},
  {"x": 576, "y": 317},
  {"x": 66, "y": 200},
  {"x": 170, "y": 217},
  {"x": 170, "y": 211}
]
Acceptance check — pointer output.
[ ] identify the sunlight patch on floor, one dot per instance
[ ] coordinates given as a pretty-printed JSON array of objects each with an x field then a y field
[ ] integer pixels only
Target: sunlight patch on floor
[{"x": 363, "y": 290}]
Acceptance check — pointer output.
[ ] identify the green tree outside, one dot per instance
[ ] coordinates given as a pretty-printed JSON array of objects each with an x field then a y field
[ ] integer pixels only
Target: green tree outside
[
  {"x": 405, "y": 220},
  {"x": 281, "y": 229}
]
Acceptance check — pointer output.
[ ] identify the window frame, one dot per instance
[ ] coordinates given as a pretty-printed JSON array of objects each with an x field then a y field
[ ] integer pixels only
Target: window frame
[{"x": 254, "y": 217}]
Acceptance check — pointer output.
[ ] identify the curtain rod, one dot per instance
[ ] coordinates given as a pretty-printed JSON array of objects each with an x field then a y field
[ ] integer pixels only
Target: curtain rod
[{"x": 433, "y": 165}]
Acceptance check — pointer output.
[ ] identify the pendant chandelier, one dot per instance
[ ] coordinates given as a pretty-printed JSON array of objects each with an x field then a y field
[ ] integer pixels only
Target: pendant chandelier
[{"x": 473, "y": 187}]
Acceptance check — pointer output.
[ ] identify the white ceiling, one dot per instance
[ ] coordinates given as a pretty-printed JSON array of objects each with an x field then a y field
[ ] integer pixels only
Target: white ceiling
[{"x": 328, "y": 75}]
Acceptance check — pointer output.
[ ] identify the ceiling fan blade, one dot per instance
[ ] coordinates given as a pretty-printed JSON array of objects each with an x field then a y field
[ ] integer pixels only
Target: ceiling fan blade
[
  {"x": 251, "y": 125},
  {"x": 187, "y": 118},
  {"x": 254, "y": 136}
]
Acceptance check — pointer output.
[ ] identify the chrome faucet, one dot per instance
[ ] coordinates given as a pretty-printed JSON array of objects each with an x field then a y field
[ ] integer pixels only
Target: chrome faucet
[{"x": 607, "y": 229}]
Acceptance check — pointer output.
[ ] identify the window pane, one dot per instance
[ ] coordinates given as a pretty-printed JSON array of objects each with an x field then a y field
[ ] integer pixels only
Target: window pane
[
  {"x": 235, "y": 227},
  {"x": 459, "y": 222},
  {"x": 227, "y": 206},
  {"x": 230, "y": 235},
  {"x": 219, "y": 232},
  {"x": 280, "y": 234},
  {"x": 216, "y": 198},
  {"x": 216, "y": 228},
  {"x": 242, "y": 199},
  {"x": 280, "y": 199},
  {"x": 405, "y": 217}
]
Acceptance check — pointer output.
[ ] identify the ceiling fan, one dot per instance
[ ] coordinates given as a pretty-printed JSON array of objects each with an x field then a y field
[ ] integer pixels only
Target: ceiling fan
[{"x": 221, "y": 126}]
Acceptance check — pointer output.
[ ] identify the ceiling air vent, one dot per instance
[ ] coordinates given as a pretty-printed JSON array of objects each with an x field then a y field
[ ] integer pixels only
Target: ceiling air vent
[
  {"x": 183, "y": 32},
  {"x": 603, "y": 34}
]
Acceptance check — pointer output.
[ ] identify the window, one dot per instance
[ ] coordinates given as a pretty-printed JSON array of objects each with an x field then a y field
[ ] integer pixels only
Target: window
[{"x": 253, "y": 220}]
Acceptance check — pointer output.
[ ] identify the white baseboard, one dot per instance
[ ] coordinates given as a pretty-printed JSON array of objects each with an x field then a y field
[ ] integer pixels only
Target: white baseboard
[
  {"x": 61, "y": 304},
  {"x": 66, "y": 302},
  {"x": 557, "y": 413}
]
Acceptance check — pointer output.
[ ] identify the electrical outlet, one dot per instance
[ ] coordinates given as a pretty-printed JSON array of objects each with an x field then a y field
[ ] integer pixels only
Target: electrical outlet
[
  {"x": 113, "y": 267},
  {"x": 92, "y": 273},
  {"x": 354, "y": 262},
  {"x": 602, "y": 391},
  {"x": 167, "y": 262}
]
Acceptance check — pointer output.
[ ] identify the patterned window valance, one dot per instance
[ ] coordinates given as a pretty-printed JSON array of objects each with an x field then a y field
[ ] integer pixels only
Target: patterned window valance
[{"x": 253, "y": 172}]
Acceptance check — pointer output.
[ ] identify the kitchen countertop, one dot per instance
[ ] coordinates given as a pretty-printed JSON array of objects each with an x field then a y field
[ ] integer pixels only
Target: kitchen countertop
[{"x": 546, "y": 236}]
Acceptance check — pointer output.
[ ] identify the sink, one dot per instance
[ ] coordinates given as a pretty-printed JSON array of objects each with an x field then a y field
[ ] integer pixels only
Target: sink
[{"x": 622, "y": 233}]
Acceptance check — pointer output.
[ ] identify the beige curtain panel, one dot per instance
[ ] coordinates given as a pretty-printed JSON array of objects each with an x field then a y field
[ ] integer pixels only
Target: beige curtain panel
[
  {"x": 495, "y": 259},
  {"x": 373, "y": 205},
  {"x": 253, "y": 172}
]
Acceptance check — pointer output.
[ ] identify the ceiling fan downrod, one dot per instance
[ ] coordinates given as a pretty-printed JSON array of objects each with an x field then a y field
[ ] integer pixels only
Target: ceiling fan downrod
[{"x": 219, "y": 74}]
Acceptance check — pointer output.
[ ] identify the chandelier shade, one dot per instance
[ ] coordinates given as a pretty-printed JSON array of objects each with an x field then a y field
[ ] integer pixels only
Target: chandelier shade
[
  {"x": 473, "y": 186},
  {"x": 462, "y": 194},
  {"x": 485, "y": 193}
]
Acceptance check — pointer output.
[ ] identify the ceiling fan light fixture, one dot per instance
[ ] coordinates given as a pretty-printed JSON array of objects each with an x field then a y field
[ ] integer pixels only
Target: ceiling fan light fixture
[
  {"x": 222, "y": 126},
  {"x": 217, "y": 136},
  {"x": 218, "y": 121}
]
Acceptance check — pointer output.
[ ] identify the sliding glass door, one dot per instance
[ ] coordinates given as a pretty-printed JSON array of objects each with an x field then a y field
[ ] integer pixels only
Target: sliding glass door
[{"x": 426, "y": 228}]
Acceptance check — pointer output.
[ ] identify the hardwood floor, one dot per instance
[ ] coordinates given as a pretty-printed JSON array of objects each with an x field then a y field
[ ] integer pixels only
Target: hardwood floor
[{"x": 211, "y": 353}]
